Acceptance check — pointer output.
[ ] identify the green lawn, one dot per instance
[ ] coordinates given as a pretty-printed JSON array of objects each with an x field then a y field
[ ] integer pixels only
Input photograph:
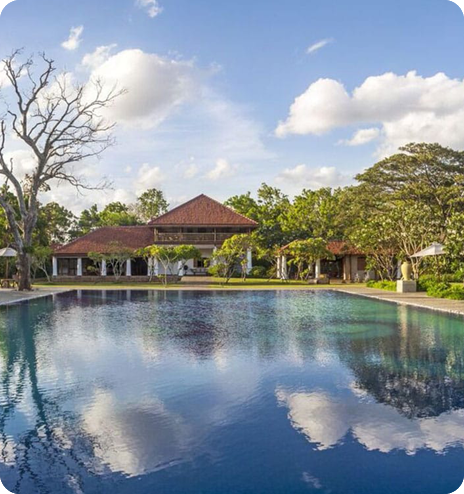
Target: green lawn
[{"x": 217, "y": 283}]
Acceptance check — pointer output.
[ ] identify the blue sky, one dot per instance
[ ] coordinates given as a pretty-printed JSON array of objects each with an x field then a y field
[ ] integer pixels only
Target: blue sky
[{"x": 212, "y": 83}]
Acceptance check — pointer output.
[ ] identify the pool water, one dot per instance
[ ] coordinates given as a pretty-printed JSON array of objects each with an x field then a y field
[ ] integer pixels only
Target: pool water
[{"x": 229, "y": 392}]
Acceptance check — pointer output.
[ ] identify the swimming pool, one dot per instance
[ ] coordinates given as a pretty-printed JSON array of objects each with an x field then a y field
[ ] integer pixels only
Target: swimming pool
[{"x": 229, "y": 392}]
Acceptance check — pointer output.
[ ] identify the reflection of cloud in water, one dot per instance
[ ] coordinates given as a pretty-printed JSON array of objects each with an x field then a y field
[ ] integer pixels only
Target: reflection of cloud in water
[
  {"x": 8, "y": 451},
  {"x": 135, "y": 439},
  {"x": 326, "y": 420}
]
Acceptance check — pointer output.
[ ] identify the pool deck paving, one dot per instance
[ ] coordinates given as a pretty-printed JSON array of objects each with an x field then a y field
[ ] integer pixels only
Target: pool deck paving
[
  {"x": 8, "y": 297},
  {"x": 419, "y": 299}
]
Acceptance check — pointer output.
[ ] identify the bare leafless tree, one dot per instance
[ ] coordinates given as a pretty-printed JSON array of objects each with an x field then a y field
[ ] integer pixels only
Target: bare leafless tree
[{"x": 61, "y": 123}]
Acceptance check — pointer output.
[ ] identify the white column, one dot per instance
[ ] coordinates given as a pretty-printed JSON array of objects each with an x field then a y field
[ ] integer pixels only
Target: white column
[
  {"x": 129, "y": 267},
  {"x": 284, "y": 267},
  {"x": 180, "y": 268},
  {"x": 155, "y": 267},
  {"x": 103, "y": 268},
  {"x": 249, "y": 260},
  {"x": 55, "y": 266},
  {"x": 214, "y": 261},
  {"x": 317, "y": 270},
  {"x": 79, "y": 266},
  {"x": 150, "y": 266},
  {"x": 279, "y": 267},
  {"x": 354, "y": 261}
]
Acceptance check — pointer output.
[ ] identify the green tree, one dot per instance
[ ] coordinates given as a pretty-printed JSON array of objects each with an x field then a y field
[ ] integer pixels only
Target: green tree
[
  {"x": 428, "y": 175},
  {"x": 304, "y": 253},
  {"x": 454, "y": 246},
  {"x": 116, "y": 257},
  {"x": 270, "y": 256},
  {"x": 151, "y": 204},
  {"x": 41, "y": 256},
  {"x": 55, "y": 225},
  {"x": 117, "y": 214},
  {"x": 314, "y": 213},
  {"x": 184, "y": 253},
  {"x": 146, "y": 254},
  {"x": 244, "y": 204},
  {"x": 89, "y": 219},
  {"x": 166, "y": 256},
  {"x": 268, "y": 210},
  {"x": 114, "y": 214},
  {"x": 232, "y": 254}
]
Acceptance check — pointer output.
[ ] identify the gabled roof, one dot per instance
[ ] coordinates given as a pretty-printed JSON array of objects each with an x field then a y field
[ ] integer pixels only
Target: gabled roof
[
  {"x": 202, "y": 211},
  {"x": 336, "y": 247},
  {"x": 132, "y": 237}
]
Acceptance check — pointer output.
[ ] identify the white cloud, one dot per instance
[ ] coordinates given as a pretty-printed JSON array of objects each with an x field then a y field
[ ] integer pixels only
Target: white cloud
[
  {"x": 74, "y": 40},
  {"x": 152, "y": 7},
  {"x": 233, "y": 132},
  {"x": 22, "y": 161},
  {"x": 191, "y": 171},
  {"x": 4, "y": 81},
  {"x": 361, "y": 137},
  {"x": 408, "y": 108},
  {"x": 325, "y": 421},
  {"x": 98, "y": 57},
  {"x": 318, "y": 45},
  {"x": 223, "y": 169},
  {"x": 155, "y": 85},
  {"x": 171, "y": 111},
  {"x": 148, "y": 177},
  {"x": 314, "y": 178}
]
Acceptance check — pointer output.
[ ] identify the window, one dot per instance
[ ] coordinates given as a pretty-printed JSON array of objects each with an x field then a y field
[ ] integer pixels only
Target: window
[
  {"x": 67, "y": 267},
  {"x": 139, "y": 267}
]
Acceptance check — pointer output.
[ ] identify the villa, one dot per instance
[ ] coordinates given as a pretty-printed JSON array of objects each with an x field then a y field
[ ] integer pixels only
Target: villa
[
  {"x": 202, "y": 222},
  {"x": 349, "y": 264}
]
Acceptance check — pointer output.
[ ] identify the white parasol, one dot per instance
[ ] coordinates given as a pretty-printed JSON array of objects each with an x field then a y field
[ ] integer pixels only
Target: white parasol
[
  {"x": 7, "y": 252},
  {"x": 435, "y": 249}
]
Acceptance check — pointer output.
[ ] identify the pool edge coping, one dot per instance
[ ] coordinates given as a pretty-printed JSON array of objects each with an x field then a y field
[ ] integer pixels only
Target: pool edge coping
[
  {"x": 37, "y": 294},
  {"x": 406, "y": 303}
]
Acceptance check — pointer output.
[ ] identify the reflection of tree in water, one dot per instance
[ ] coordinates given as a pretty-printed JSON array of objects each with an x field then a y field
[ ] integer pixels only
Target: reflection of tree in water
[
  {"x": 196, "y": 325},
  {"x": 419, "y": 369},
  {"x": 53, "y": 453},
  {"x": 200, "y": 324}
]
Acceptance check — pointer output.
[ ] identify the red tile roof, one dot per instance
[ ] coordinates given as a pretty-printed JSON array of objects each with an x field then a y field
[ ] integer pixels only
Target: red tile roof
[
  {"x": 202, "y": 211},
  {"x": 337, "y": 247},
  {"x": 340, "y": 248},
  {"x": 132, "y": 237}
]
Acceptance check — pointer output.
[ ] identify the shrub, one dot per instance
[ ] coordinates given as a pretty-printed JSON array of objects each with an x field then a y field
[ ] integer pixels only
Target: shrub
[
  {"x": 216, "y": 270},
  {"x": 383, "y": 285},
  {"x": 438, "y": 289},
  {"x": 426, "y": 281},
  {"x": 258, "y": 272},
  {"x": 220, "y": 270},
  {"x": 445, "y": 290}
]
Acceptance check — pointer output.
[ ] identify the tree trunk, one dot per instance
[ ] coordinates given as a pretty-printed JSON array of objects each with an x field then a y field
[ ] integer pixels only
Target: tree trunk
[{"x": 23, "y": 264}]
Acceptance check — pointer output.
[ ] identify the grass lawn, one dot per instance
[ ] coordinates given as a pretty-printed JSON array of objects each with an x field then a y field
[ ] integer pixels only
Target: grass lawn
[{"x": 216, "y": 283}]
